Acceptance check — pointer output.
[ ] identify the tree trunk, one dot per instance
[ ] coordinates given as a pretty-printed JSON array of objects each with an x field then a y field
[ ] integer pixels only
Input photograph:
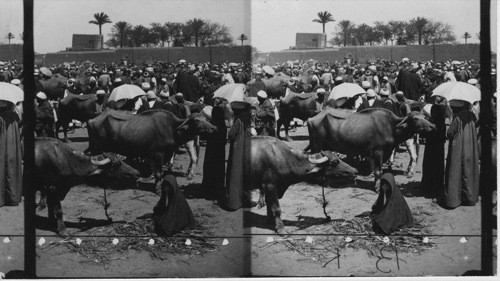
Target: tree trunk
[
  {"x": 100, "y": 33},
  {"x": 323, "y": 27}
]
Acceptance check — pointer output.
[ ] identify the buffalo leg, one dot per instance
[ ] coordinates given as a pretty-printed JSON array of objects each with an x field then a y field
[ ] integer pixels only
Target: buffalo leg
[
  {"x": 278, "y": 128},
  {"x": 56, "y": 213},
  {"x": 158, "y": 171},
  {"x": 65, "y": 131},
  {"x": 273, "y": 208},
  {"x": 377, "y": 168},
  {"x": 43, "y": 199},
  {"x": 286, "y": 124},
  {"x": 262, "y": 197}
]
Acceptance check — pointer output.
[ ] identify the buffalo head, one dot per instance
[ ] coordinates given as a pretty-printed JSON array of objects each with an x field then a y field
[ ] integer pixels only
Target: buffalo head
[
  {"x": 416, "y": 122},
  {"x": 196, "y": 124},
  {"x": 110, "y": 168},
  {"x": 329, "y": 165}
]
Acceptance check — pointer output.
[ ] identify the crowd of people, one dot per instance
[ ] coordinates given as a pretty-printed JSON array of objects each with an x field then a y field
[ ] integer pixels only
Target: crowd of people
[{"x": 184, "y": 88}]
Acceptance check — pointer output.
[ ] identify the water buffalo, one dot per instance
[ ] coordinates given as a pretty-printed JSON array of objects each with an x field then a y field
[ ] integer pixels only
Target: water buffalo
[
  {"x": 276, "y": 86},
  {"x": 153, "y": 134},
  {"x": 373, "y": 132},
  {"x": 52, "y": 87},
  {"x": 295, "y": 105},
  {"x": 79, "y": 107},
  {"x": 58, "y": 168},
  {"x": 274, "y": 167}
]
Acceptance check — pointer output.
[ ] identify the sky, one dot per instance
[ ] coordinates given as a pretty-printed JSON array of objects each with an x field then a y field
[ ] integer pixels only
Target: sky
[{"x": 270, "y": 25}]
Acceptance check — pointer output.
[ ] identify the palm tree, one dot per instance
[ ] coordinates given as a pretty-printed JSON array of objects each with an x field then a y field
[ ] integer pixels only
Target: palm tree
[
  {"x": 21, "y": 36},
  {"x": 10, "y": 36},
  {"x": 419, "y": 24},
  {"x": 346, "y": 27},
  {"x": 100, "y": 20},
  {"x": 242, "y": 38},
  {"x": 121, "y": 30},
  {"x": 195, "y": 25},
  {"x": 466, "y": 36},
  {"x": 478, "y": 35},
  {"x": 324, "y": 18},
  {"x": 397, "y": 30}
]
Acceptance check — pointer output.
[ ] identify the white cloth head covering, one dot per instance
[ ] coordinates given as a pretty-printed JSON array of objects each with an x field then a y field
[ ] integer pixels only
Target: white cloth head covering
[
  {"x": 370, "y": 93},
  {"x": 262, "y": 94},
  {"x": 41, "y": 95}
]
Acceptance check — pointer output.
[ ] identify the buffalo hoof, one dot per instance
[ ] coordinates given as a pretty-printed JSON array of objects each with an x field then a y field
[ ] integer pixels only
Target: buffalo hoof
[
  {"x": 281, "y": 231},
  {"x": 63, "y": 233},
  {"x": 189, "y": 176}
]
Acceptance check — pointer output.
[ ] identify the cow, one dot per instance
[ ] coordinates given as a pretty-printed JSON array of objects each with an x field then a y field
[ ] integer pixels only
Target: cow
[
  {"x": 79, "y": 107},
  {"x": 373, "y": 132},
  {"x": 295, "y": 105},
  {"x": 152, "y": 134},
  {"x": 274, "y": 167},
  {"x": 58, "y": 168}
]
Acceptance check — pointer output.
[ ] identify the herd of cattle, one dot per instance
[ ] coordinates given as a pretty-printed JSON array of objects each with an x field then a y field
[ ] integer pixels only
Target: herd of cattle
[{"x": 156, "y": 134}]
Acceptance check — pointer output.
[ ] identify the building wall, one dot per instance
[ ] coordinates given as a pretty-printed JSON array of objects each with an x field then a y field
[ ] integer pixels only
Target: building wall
[
  {"x": 86, "y": 42},
  {"x": 310, "y": 40},
  {"x": 214, "y": 55},
  {"x": 396, "y": 53},
  {"x": 11, "y": 52}
]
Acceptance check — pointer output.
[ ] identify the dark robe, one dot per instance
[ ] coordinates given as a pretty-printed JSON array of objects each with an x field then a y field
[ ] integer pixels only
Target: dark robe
[
  {"x": 393, "y": 213},
  {"x": 188, "y": 85},
  {"x": 239, "y": 151},
  {"x": 172, "y": 212},
  {"x": 145, "y": 106},
  {"x": 433, "y": 164},
  {"x": 255, "y": 87},
  {"x": 11, "y": 169},
  {"x": 410, "y": 84},
  {"x": 462, "y": 163},
  {"x": 214, "y": 165},
  {"x": 265, "y": 119},
  {"x": 45, "y": 124},
  {"x": 378, "y": 103}
]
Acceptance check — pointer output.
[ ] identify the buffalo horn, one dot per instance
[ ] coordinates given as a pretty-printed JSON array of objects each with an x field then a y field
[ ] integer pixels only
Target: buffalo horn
[
  {"x": 321, "y": 160},
  {"x": 183, "y": 123},
  {"x": 103, "y": 162},
  {"x": 402, "y": 121}
]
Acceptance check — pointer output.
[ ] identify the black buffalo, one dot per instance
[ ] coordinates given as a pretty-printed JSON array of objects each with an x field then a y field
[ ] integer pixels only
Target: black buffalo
[
  {"x": 58, "y": 168},
  {"x": 52, "y": 87},
  {"x": 295, "y": 105},
  {"x": 274, "y": 167},
  {"x": 79, "y": 107},
  {"x": 373, "y": 132},
  {"x": 153, "y": 134}
]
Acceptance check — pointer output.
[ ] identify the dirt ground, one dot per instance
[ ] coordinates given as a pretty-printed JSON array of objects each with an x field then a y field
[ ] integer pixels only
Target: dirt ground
[{"x": 252, "y": 248}]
